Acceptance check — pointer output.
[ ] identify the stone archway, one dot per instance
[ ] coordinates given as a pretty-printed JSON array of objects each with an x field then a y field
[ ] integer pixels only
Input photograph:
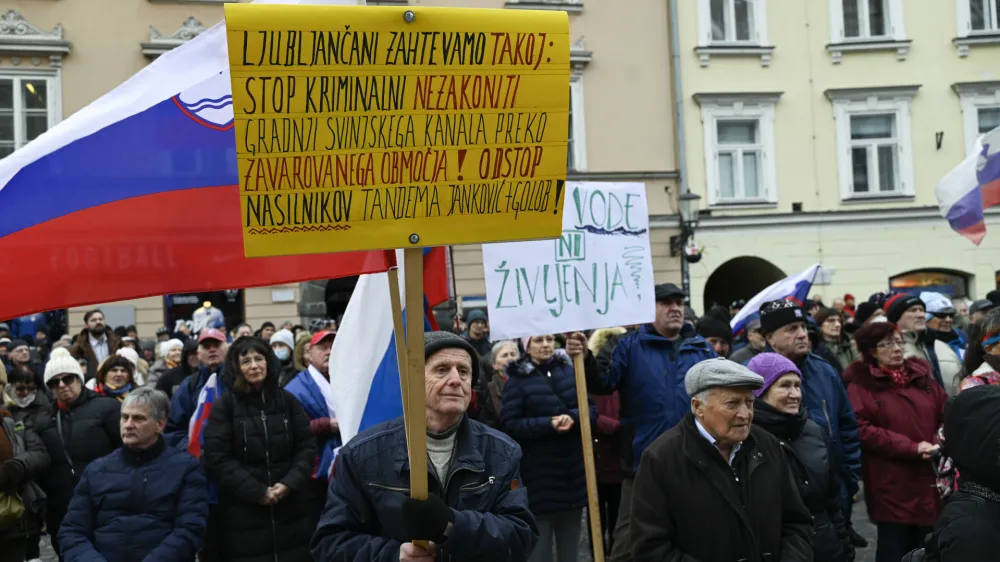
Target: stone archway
[{"x": 739, "y": 278}]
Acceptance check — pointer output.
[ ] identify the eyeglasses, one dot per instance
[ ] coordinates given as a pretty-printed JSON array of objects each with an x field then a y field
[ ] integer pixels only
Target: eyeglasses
[
  {"x": 24, "y": 388},
  {"x": 55, "y": 382},
  {"x": 944, "y": 315},
  {"x": 891, "y": 344}
]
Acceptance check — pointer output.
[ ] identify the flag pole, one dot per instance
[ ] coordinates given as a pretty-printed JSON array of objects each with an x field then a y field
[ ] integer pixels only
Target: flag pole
[
  {"x": 588, "y": 459},
  {"x": 415, "y": 401},
  {"x": 400, "y": 337}
]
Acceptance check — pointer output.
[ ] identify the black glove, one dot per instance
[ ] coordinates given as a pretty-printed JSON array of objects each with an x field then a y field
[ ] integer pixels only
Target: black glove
[
  {"x": 11, "y": 474},
  {"x": 428, "y": 520}
]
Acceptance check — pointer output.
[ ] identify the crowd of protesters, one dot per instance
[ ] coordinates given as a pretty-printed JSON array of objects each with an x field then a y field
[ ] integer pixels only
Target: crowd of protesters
[{"x": 709, "y": 445}]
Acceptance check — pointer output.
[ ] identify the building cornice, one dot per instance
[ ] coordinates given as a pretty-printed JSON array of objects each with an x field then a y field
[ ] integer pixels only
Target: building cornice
[
  {"x": 986, "y": 87},
  {"x": 783, "y": 220},
  {"x": 964, "y": 43},
  {"x": 19, "y": 36},
  {"x": 159, "y": 44},
  {"x": 837, "y": 50},
  {"x": 729, "y": 98},
  {"x": 623, "y": 176},
  {"x": 880, "y": 92},
  {"x": 706, "y": 52},
  {"x": 569, "y": 6}
]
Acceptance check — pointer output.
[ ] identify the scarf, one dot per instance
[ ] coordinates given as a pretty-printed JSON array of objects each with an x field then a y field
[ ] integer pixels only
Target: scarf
[
  {"x": 171, "y": 364},
  {"x": 899, "y": 377},
  {"x": 324, "y": 387},
  {"x": 105, "y": 389}
]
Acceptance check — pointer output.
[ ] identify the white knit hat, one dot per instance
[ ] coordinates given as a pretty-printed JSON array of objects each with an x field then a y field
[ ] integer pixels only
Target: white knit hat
[
  {"x": 62, "y": 363},
  {"x": 130, "y": 354},
  {"x": 285, "y": 337}
]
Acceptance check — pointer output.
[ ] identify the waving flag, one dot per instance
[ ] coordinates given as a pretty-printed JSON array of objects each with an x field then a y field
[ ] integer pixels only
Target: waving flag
[
  {"x": 363, "y": 366},
  {"x": 794, "y": 288},
  {"x": 137, "y": 195},
  {"x": 212, "y": 390},
  {"x": 972, "y": 187}
]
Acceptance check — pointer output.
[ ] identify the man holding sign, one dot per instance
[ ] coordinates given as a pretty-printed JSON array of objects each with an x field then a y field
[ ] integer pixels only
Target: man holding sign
[
  {"x": 647, "y": 369},
  {"x": 477, "y": 508}
]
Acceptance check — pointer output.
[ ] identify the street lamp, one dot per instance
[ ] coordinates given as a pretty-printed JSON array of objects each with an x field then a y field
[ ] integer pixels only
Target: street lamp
[{"x": 678, "y": 244}]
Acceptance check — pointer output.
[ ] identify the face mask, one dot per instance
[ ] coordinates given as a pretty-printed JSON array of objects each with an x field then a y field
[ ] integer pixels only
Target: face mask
[
  {"x": 283, "y": 354},
  {"x": 26, "y": 401}
]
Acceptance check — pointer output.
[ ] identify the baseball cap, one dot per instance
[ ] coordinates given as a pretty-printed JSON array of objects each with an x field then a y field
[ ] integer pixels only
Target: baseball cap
[
  {"x": 667, "y": 290},
  {"x": 320, "y": 336},
  {"x": 212, "y": 334}
]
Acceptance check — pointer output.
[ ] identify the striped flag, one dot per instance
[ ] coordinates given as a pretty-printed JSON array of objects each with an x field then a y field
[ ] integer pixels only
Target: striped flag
[
  {"x": 794, "y": 288},
  {"x": 212, "y": 390},
  {"x": 970, "y": 188}
]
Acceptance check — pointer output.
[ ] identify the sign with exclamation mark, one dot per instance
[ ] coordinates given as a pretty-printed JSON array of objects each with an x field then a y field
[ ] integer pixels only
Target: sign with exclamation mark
[{"x": 362, "y": 128}]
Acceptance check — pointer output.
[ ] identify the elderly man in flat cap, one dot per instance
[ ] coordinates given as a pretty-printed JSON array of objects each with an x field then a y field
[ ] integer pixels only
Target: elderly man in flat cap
[
  {"x": 716, "y": 488},
  {"x": 477, "y": 508}
]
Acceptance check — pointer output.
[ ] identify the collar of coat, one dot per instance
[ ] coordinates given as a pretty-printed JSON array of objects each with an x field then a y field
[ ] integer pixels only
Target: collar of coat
[{"x": 467, "y": 454}]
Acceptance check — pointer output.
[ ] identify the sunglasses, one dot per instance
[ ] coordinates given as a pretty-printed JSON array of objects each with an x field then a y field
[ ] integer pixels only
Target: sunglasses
[
  {"x": 55, "y": 382},
  {"x": 944, "y": 315},
  {"x": 24, "y": 388}
]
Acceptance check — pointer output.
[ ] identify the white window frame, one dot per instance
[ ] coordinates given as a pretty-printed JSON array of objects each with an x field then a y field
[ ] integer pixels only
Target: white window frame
[
  {"x": 53, "y": 83},
  {"x": 973, "y": 98},
  {"x": 723, "y": 107},
  {"x": 966, "y": 37},
  {"x": 898, "y": 101},
  {"x": 757, "y": 46},
  {"x": 893, "y": 40},
  {"x": 578, "y": 146}
]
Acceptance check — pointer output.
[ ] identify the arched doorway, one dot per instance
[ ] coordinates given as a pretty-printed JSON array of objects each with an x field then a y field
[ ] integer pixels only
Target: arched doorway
[
  {"x": 338, "y": 294},
  {"x": 739, "y": 278},
  {"x": 949, "y": 282}
]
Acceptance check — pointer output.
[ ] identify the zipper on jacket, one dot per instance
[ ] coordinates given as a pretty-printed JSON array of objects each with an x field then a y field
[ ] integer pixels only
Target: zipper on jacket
[
  {"x": 829, "y": 425},
  {"x": 389, "y": 488},
  {"x": 475, "y": 487},
  {"x": 267, "y": 465}
]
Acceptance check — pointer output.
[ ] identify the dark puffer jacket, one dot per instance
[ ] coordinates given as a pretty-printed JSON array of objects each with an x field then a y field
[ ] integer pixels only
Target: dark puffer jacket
[
  {"x": 815, "y": 473},
  {"x": 254, "y": 440},
  {"x": 552, "y": 465},
  {"x": 149, "y": 505},
  {"x": 29, "y": 452},
  {"x": 90, "y": 430}
]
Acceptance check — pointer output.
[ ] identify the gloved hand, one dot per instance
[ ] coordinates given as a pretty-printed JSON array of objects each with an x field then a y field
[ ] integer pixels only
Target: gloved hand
[
  {"x": 11, "y": 474},
  {"x": 427, "y": 520}
]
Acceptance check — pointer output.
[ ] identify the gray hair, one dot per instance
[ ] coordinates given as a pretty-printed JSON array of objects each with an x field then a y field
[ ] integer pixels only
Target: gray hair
[
  {"x": 159, "y": 404},
  {"x": 500, "y": 345},
  {"x": 701, "y": 397}
]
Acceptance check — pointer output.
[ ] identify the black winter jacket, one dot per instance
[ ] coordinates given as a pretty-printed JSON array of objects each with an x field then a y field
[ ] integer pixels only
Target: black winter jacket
[
  {"x": 966, "y": 530},
  {"x": 815, "y": 473},
  {"x": 90, "y": 430},
  {"x": 687, "y": 503},
  {"x": 29, "y": 452},
  {"x": 31, "y": 413},
  {"x": 552, "y": 462},
  {"x": 254, "y": 440}
]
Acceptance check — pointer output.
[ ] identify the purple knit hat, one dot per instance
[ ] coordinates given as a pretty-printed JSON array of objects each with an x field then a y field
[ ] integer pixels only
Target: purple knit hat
[{"x": 772, "y": 367}]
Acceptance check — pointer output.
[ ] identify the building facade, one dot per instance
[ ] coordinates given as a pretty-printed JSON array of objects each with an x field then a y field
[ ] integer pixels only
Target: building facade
[
  {"x": 57, "y": 57},
  {"x": 816, "y": 133}
]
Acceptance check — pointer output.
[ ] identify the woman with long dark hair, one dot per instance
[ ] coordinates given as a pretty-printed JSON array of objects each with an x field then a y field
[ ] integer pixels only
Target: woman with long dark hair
[
  {"x": 982, "y": 358},
  {"x": 259, "y": 453}
]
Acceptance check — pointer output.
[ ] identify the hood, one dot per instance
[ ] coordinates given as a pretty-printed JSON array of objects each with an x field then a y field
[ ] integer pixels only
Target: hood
[
  {"x": 859, "y": 372},
  {"x": 972, "y": 435},
  {"x": 601, "y": 337}
]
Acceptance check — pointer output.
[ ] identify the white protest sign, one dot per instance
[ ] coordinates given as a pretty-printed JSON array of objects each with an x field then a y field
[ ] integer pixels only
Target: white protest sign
[{"x": 598, "y": 274}]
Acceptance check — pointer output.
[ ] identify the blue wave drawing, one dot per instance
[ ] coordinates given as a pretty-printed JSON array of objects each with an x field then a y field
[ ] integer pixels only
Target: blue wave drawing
[
  {"x": 227, "y": 97},
  {"x": 620, "y": 231},
  {"x": 208, "y": 106}
]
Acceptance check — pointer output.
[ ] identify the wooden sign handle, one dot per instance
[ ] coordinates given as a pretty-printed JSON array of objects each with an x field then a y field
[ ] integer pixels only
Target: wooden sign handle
[
  {"x": 415, "y": 400},
  {"x": 588, "y": 459},
  {"x": 400, "y": 336}
]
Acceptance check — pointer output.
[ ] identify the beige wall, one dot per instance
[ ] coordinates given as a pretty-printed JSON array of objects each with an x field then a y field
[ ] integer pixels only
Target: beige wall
[{"x": 628, "y": 103}]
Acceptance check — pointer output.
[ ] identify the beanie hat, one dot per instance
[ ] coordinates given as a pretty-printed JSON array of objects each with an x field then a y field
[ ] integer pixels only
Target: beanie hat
[
  {"x": 779, "y": 313},
  {"x": 18, "y": 343},
  {"x": 436, "y": 341},
  {"x": 475, "y": 315},
  {"x": 865, "y": 311},
  {"x": 130, "y": 354},
  {"x": 712, "y": 327},
  {"x": 283, "y": 336},
  {"x": 771, "y": 366},
  {"x": 898, "y": 304},
  {"x": 994, "y": 297},
  {"x": 166, "y": 346},
  {"x": 935, "y": 303},
  {"x": 62, "y": 363}
]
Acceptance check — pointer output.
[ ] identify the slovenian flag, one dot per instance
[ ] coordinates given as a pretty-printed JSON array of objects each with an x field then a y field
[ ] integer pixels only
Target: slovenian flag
[
  {"x": 972, "y": 187},
  {"x": 137, "y": 195},
  {"x": 212, "y": 390},
  {"x": 794, "y": 288},
  {"x": 363, "y": 365}
]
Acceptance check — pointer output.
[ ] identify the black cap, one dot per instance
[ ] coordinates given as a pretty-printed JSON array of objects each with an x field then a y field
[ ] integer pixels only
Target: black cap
[
  {"x": 739, "y": 303},
  {"x": 712, "y": 327},
  {"x": 994, "y": 297},
  {"x": 779, "y": 313},
  {"x": 666, "y": 290},
  {"x": 981, "y": 305},
  {"x": 899, "y": 303},
  {"x": 161, "y": 331},
  {"x": 436, "y": 341}
]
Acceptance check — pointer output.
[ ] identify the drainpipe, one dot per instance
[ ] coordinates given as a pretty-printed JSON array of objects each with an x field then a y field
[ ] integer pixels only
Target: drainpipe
[{"x": 680, "y": 137}]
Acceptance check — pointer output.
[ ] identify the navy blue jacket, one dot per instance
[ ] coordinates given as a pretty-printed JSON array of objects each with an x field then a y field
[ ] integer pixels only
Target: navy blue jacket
[
  {"x": 824, "y": 395},
  {"x": 552, "y": 465},
  {"x": 362, "y": 520},
  {"x": 182, "y": 407},
  {"x": 150, "y": 506},
  {"x": 650, "y": 383}
]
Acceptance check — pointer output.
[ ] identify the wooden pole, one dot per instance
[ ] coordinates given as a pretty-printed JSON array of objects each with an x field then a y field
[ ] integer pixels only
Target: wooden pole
[
  {"x": 398, "y": 329},
  {"x": 415, "y": 402},
  {"x": 588, "y": 459}
]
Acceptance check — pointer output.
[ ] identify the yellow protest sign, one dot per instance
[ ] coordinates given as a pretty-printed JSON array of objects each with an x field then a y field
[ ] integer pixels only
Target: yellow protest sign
[{"x": 359, "y": 127}]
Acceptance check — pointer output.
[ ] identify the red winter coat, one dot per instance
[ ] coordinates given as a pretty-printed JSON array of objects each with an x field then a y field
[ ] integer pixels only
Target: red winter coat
[{"x": 892, "y": 420}]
